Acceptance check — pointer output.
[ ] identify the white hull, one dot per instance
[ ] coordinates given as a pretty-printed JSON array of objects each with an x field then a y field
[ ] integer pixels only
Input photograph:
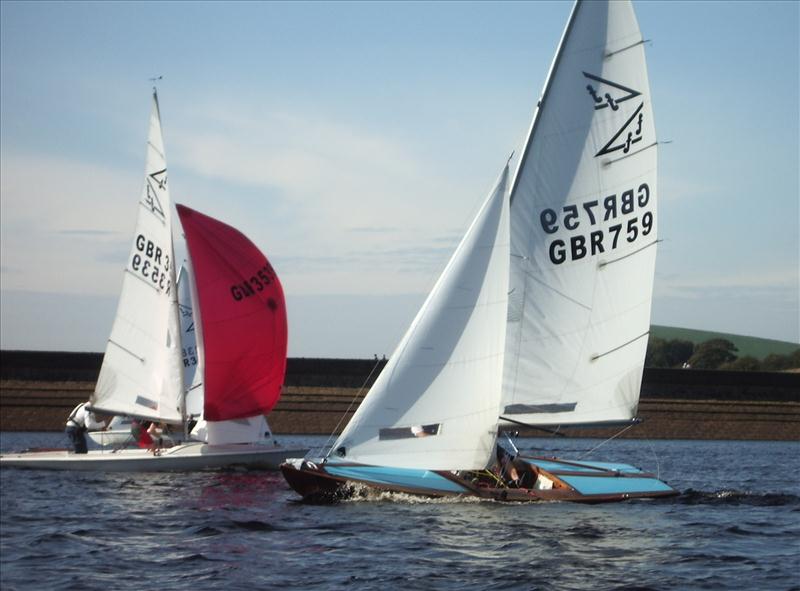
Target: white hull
[
  {"x": 116, "y": 438},
  {"x": 184, "y": 457}
]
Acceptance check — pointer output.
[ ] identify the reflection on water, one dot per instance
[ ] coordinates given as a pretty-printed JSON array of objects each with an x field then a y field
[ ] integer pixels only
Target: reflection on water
[{"x": 736, "y": 526}]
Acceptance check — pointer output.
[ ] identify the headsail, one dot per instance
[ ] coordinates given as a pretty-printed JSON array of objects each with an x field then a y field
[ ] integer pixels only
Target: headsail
[
  {"x": 583, "y": 230},
  {"x": 142, "y": 369},
  {"x": 192, "y": 370},
  {"x": 243, "y": 336},
  {"x": 435, "y": 404}
]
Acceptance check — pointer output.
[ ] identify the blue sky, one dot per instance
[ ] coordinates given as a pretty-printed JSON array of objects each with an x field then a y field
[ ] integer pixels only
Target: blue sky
[{"x": 353, "y": 142}]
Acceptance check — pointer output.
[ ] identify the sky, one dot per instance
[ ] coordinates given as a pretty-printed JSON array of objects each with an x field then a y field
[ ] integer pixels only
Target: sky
[{"x": 353, "y": 142}]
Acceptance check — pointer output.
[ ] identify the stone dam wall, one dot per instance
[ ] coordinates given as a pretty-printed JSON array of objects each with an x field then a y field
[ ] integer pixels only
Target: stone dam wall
[{"x": 38, "y": 389}]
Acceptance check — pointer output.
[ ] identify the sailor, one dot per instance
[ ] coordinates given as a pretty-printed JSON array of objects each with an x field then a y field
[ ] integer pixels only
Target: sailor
[
  {"x": 505, "y": 467},
  {"x": 80, "y": 420}
]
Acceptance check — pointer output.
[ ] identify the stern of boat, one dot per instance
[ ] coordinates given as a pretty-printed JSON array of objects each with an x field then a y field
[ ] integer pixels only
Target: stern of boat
[{"x": 593, "y": 482}]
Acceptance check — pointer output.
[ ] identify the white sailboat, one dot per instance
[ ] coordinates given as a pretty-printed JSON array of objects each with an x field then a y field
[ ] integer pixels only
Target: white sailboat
[
  {"x": 142, "y": 374},
  {"x": 542, "y": 314}
]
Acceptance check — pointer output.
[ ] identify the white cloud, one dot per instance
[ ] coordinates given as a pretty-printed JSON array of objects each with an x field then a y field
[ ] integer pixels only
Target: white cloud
[
  {"x": 344, "y": 189},
  {"x": 61, "y": 222}
]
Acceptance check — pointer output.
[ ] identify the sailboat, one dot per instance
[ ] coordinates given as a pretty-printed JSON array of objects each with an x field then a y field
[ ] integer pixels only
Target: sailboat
[
  {"x": 142, "y": 374},
  {"x": 541, "y": 316}
]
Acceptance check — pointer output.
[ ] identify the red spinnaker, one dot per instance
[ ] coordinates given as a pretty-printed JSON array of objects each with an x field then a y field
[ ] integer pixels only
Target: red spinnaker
[{"x": 243, "y": 319}]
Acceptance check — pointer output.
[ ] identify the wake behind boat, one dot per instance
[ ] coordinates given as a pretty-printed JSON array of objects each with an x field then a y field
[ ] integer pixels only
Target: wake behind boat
[
  {"x": 240, "y": 345},
  {"x": 542, "y": 314}
]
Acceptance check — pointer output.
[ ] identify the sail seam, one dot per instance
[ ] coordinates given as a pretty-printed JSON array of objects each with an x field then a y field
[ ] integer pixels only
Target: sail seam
[
  {"x": 602, "y": 264},
  {"x": 554, "y": 290},
  {"x": 599, "y": 355}
]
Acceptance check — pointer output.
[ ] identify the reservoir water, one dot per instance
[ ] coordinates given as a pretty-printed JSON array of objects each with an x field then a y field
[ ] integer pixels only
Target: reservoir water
[{"x": 735, "y": 526}]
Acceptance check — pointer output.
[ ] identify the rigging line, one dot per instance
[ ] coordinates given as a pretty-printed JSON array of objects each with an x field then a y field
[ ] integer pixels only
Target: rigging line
[
  {"x": 602, "y": 443},
  {"x": 352, "y": 402},
  {"x": 655, "y": 457},
  {"x": 602, "y": 264}
]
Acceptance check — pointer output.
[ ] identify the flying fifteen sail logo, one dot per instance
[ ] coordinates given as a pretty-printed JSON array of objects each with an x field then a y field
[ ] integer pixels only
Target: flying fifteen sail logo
[
  {"x": 628, "y": 135},
  {"x": 156, "y": 183},
  {"x": 631, "y": 131},
  {"x": 604, "y": 100},
  {"x": 186, "y": 312}
]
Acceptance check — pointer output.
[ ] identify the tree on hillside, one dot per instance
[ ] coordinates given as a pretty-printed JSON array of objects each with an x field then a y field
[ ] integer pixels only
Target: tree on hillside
[
  {"x": 775, "y": 362},
  {"x": 712, "y": 354},
  {"x": 746, "y": 363},
  {"x": 663, "y": 353},
  {"x": 656, "y": 355}
]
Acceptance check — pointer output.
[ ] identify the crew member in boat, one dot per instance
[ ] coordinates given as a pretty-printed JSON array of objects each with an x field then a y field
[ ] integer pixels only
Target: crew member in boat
[
  {"x": 156, "y": 433},
  {"x": 505, "y": 467},
  {"x": 80, "y": 420}
]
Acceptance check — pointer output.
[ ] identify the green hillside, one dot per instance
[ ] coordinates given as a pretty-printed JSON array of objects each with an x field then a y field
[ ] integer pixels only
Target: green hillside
[{"x": 752, "y": 346}]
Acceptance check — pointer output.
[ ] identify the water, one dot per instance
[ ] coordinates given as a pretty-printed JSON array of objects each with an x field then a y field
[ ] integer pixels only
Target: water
[{"x": 736, "y": 526}]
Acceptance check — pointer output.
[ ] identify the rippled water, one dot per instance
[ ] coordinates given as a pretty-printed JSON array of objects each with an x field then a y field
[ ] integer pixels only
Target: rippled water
[{"x": 736, "y": 526}]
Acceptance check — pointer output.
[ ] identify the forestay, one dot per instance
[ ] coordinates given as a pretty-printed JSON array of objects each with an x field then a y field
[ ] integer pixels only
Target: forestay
[
  {"x": 142, "y": 369},
  {"x": 583, "y": 230},
  {"x": 242, "y": 325},
  {"x": 435, "y": 404}
]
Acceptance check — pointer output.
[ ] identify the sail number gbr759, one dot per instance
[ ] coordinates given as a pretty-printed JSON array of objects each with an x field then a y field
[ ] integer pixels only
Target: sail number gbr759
[{"x": 619, "y": 210}]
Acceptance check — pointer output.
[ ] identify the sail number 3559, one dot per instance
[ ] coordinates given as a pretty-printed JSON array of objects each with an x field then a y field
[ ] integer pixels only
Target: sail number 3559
[{"x": 590, "y": 213}]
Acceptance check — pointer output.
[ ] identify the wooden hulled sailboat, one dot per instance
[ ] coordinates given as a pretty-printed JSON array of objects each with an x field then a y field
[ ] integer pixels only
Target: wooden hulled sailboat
[
  {"x": 542, "y": 314},
  {"x": 236, "y": 382}
]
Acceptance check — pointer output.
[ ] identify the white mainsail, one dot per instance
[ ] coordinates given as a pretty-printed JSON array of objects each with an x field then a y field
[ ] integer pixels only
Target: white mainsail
[
  {"x": 435, "y": 404},
  {"x": 192, "y": 378},
  {"x": 142, "y": 368},
  {"x": 583, "y": 230}
]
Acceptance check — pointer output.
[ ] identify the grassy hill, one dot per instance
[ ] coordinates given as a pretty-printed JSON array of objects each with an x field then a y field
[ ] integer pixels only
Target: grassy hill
[{"x": 753, "y": 346}]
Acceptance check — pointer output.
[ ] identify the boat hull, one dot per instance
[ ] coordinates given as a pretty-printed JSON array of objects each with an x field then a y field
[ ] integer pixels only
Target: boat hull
[
  {"x": 185, "y": 457},
  {"x": 542, "y": 479}
]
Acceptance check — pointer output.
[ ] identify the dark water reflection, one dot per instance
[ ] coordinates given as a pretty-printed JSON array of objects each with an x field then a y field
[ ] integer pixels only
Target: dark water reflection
[{"x": 737, "y": 526}]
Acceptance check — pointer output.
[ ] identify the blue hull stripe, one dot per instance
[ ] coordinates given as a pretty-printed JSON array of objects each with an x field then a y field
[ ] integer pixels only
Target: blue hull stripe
[
  {"x": 404, "y": 477},
  {"x": 580, "y": 466},
  {"x": 604, "y": 485}
]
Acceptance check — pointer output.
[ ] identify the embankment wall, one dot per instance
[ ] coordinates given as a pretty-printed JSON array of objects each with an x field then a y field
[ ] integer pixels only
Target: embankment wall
[{"x": 38, "y": 389}]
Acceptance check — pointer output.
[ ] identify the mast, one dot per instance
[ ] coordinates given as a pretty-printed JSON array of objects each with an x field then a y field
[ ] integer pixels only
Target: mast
[{"x": 543, "y": 100}]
